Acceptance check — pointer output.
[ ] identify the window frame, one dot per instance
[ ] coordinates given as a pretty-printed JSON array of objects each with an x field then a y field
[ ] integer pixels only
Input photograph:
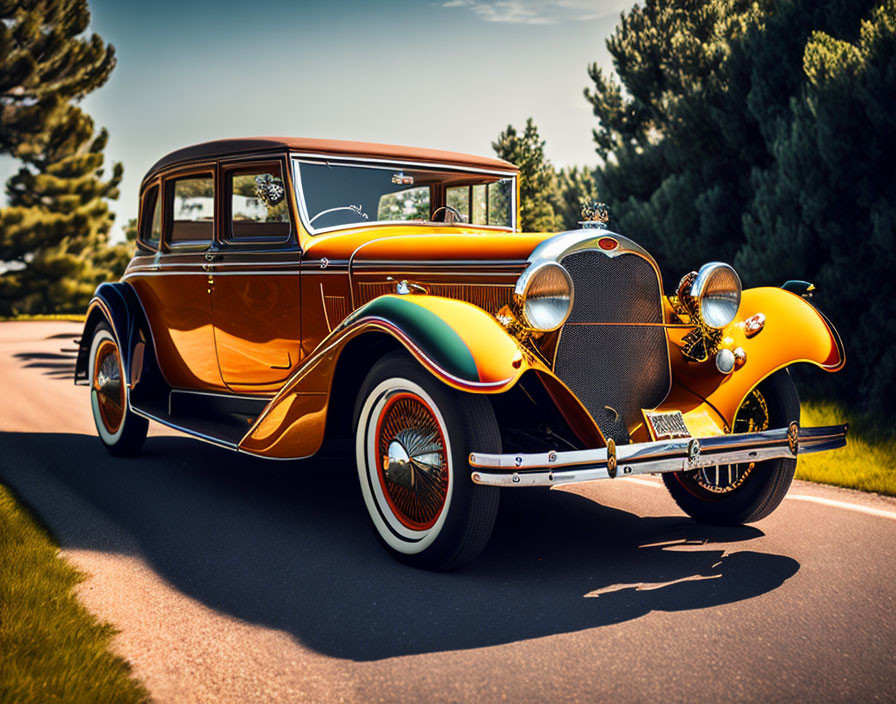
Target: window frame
[
  {"x": 299, "y": 158},
  {"x": 205, "y": 170},
  {"x": 144, "y": 217},
  {"x": 228, "y": 168}
]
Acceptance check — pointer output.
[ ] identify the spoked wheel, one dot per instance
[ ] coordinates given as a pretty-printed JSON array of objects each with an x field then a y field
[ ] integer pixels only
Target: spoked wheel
[
  {"x": 121, "y": 431},
  {"x": 413, "y": 437},
  {"x": 749, "y": 491},
  {"x": 412, "y": 450}
]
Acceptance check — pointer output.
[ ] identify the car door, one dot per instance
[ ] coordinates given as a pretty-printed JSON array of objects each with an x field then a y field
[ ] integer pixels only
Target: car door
[
  {"x": 176, "y": 295},
  {"x": 255, "y": 278}
]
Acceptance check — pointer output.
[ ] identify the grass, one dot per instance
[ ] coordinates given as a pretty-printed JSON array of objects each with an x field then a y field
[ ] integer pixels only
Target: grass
[
  {"x": 51, "y": 648},
  {"x": 868, "y": 462},
  {"x": 73, "y": 317}
]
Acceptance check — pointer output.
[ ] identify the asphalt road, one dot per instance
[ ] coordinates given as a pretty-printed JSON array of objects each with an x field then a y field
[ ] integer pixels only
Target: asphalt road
[{"x": 233, "y": 579}]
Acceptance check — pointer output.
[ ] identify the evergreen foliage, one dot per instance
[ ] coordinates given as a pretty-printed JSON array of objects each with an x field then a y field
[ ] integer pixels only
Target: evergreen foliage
[
  {"x": 54, "y": 236},
  {"x": 761, "y": 133},
  {"x": 574, "y": 188},
  {"x": 526, "y": 151},
  {"x": 45, "y": 63}
]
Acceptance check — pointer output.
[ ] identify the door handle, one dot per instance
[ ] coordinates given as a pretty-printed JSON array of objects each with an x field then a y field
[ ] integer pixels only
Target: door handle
[{"x": 213, "y": 256}]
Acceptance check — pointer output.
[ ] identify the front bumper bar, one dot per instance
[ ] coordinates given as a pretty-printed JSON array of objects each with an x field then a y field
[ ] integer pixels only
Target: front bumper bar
[{"x": 555, "y": 468}]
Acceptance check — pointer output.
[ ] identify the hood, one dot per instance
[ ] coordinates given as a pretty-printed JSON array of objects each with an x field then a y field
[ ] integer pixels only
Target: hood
[{"x": 420, "y": 245}]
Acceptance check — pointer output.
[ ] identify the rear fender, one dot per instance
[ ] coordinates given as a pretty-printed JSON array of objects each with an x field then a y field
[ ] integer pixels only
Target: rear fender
[
  {"x": 457, "y": 342},
  {"x": 794, "y": 331},
  {"x": 118, "y": 305}
]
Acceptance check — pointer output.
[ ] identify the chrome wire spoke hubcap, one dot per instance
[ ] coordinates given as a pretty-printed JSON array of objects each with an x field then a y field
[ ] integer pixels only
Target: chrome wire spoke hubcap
[
  {"x": 107, "y": 385},
  {"x": 413, "y": 465},
  {"x": 752, "y": 417}
]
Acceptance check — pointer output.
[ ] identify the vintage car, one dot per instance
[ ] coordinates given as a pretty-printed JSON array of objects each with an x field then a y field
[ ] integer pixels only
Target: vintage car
[{"x": 287, "y": 291}]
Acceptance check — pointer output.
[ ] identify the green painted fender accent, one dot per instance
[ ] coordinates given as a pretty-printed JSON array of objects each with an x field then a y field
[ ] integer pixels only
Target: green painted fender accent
[{"x": 435, "y": 337}]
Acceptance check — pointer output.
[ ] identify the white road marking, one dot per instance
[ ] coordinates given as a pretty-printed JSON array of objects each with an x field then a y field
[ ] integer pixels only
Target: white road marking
[
  {"x": 879, "y": 512},
  {"x": 843, "y": 504}
]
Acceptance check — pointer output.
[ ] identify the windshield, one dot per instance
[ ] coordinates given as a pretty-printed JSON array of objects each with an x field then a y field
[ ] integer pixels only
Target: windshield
[{"x": 334, "y": 195}]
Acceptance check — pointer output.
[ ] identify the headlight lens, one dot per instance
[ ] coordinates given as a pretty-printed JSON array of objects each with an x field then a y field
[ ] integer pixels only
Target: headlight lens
[
  {"x": 546, "y": 298},
  {"x": 717, "y": 293}
]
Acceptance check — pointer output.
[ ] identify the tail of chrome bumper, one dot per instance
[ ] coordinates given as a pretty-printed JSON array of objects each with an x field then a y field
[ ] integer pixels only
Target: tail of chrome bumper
[{"x": 554, "y": 468}]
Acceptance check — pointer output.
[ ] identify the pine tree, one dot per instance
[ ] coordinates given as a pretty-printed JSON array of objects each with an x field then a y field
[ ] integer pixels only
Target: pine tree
[
  {"x": 45, "y": 63},
  {"x": 760, "y": 133},
  {"x": 828, "y": 203},
  {"x": 574, "y": 188},
  {"x": 526, "y": 151},
  {"x": 54, "y": 236}
]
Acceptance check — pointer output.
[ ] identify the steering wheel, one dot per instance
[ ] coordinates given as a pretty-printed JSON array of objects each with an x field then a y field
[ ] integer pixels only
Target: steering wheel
[
  {"x": 458, "y": 216},
  {"x": 356, "y": 209}
]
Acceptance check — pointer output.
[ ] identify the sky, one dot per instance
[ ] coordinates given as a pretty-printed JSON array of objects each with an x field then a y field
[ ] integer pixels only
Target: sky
[{"x": 443, "y": 74}]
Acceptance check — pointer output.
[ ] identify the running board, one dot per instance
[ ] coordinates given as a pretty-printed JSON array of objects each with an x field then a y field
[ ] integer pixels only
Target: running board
[
  {"x": 219, "y": 419},
  {"x": 555, "y": 468}
]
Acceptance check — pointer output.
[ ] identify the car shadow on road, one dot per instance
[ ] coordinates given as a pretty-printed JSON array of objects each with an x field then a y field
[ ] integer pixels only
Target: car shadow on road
[{"x": 287, "y": 545}]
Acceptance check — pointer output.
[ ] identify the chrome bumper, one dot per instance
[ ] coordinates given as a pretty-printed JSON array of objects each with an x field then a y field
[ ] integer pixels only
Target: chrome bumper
[{"x": 555, "y": 468}]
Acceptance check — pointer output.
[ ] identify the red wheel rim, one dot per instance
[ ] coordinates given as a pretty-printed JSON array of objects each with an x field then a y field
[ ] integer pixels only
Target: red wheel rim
[
  {"x": 412, "y": 460},
  {"x": 107, "y": 385}
]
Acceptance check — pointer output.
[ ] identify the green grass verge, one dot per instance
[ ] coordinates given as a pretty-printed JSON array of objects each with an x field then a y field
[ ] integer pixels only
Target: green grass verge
[
  {"x": 868, "y": 462},
  {"x": 73, "y": 317},
  {"x": 51, "y": 648}
]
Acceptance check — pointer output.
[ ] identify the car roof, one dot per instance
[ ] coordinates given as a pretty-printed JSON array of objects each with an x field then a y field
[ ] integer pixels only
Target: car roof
[{"x": 248, "y": 145}]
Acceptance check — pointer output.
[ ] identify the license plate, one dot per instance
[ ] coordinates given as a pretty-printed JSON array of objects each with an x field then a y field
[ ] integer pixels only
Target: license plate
[{"x": 667, "y": 425}]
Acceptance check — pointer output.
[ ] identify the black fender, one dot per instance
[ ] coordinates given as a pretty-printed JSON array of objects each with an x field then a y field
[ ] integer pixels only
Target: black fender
[{"x": 117, "y": 305}]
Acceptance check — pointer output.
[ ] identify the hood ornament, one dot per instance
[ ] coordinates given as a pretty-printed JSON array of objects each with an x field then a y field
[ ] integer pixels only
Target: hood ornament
[{"x": 595, "y": 214}]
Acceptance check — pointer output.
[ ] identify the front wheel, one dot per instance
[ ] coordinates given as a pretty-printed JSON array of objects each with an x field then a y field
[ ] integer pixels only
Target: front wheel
[
  {"x": 121, "y": 431},
  {"x": 746, "y": 492},
  {"x": 413, "y": 436}
]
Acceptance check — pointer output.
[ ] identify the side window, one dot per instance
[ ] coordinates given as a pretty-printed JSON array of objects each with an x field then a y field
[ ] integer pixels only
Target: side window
[
  {"x": 480, "y": 201},
  {"x": 258, "y": 204},
  {"x": 483, "y": 203},
  {"x": 458, "y": 198},
  {"x": 499, "y": 201},
  {"x": 191, "y": 208},
  {"x": 151, "y": 226}
]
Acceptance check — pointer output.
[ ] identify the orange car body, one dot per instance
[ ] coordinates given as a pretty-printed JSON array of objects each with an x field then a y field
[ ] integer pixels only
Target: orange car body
[{"x": 274, "y": 332}]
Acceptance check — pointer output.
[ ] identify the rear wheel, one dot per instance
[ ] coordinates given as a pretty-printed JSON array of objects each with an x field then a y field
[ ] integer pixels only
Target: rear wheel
[
  {"x": 746, "y": 492},
  {"x": 413, "y": 436},
  {"x": 121, "y": 431}
]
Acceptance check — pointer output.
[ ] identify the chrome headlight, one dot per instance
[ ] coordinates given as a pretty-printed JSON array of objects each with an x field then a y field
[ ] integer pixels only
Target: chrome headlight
[
  {"x": 716, "y": 291},
  {"x": 544, "y": 297}
]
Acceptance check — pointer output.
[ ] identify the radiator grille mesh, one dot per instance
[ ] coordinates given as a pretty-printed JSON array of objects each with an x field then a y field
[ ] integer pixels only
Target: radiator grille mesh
[
  {"x": 490, "y": 297},
  {"x": 617, "y": 369}
]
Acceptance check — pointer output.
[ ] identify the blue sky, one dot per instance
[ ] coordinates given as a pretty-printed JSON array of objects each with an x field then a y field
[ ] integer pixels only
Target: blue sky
[{"x": 449, "y": 74}]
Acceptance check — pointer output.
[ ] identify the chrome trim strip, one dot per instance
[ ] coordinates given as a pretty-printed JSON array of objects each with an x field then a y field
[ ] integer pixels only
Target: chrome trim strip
[
  {"x": 556, "y": 468},
  {"x": 263, "y": 397},
  {"x": 199, "y": 436},
  {"x": 357, "y": 159},
  {"x": 512, "y": 264},
  {"x": 209, "y": 272}
]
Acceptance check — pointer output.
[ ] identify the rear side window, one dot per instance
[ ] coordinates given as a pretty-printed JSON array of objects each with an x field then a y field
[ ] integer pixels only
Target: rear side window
[
  {"x": 191, "y": 208},
  {"x": 259, "y": 209},
  {"x": 151, "y": 225}
]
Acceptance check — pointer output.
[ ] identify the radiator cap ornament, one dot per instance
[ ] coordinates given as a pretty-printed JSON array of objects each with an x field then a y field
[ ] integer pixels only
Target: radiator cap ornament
[{"x": 595, "y": 214}]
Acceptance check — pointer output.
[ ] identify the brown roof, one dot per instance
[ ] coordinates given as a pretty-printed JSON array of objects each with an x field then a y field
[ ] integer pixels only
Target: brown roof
[{"x": 231, "y": 147}]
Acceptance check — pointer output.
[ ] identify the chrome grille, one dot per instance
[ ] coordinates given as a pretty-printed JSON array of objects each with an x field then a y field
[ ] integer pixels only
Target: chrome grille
[{"x": 612, "y": 351}]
